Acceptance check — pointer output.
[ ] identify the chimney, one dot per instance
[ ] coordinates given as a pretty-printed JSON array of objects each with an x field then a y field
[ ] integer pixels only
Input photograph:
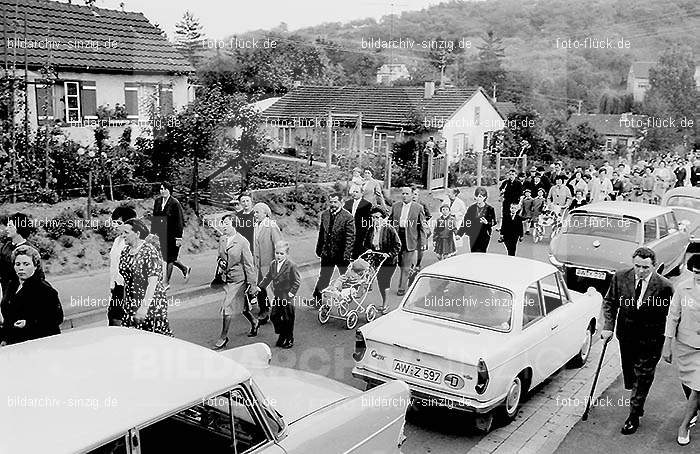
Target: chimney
[{"x": 429, "y": 89}]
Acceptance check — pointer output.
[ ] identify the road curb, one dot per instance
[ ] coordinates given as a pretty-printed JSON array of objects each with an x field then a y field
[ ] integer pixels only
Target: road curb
[{"x": 90, "y": 316}]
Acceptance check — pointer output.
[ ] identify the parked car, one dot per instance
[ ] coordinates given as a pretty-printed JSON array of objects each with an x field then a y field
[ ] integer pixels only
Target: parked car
[
  {"x": 599, "y": 239},
  {"x": 685, "y": 203},
  {"x": 118, "y": 390},
  {"x": 475, "y": 332}
]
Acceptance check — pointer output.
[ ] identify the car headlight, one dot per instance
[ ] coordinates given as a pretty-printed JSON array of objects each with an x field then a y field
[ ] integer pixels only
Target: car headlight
[{"x": 553, "y": 260}]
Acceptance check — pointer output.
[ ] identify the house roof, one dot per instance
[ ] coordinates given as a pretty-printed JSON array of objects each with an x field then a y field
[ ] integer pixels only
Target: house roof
[
  {"x": 380, "y": 105},
  {"x": 76, "y": 36},
  {"x": 505, "y": 107},
  {"x": 640, "y": 69},
  {"x": 609, "y": 125}
]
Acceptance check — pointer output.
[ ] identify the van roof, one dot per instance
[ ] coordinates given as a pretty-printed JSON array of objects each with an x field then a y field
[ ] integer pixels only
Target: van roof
[
  {"x": 641, "y": 211},
  {"x": 76, "y": 391}
]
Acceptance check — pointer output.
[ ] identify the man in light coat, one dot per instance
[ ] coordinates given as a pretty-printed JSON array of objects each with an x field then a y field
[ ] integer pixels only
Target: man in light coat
[{"x": 408, "y": 219}]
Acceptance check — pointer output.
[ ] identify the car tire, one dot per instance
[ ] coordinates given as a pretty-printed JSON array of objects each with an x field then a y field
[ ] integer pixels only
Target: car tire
[
  {"x": 507, "y": 412},
  {"x": 351, "y": 320},
  {"x": 324, "y": 314},
  {"x": 582, "y": 356}
]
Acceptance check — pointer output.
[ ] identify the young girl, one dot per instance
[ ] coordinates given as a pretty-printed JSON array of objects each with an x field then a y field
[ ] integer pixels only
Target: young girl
[
  {"x": 443, "y": 235},
  {"x": 526, "y": 211}
]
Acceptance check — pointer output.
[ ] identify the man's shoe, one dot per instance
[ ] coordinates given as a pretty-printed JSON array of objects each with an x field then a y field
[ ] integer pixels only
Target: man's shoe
[
  {"x": 187, "y": 274},
  {"x": 693, "y": 421},
  {"x": 401, "y": 292},
  {"x": 220, "y": 344},
  {"x": 631, "y": 425},
  {"x": 684, "y": 439}
]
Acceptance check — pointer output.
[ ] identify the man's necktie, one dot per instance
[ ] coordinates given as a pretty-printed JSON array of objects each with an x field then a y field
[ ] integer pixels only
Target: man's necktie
[{"x": 637, "y": 292}]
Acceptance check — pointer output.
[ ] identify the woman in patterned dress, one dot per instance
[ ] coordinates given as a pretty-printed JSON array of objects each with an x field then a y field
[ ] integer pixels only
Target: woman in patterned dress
[{"x": 145, "y": 304}]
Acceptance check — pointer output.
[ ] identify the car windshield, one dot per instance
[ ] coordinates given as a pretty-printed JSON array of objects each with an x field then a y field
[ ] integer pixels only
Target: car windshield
[
  {"x": 603, "y": 226},
  {"x": 683, "y": 201},
  {"x": 461, "y": 301}
]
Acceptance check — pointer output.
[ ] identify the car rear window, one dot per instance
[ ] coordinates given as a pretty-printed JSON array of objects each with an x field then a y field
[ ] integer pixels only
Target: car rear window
[
  {"x": 682, "y": 201},
  {"x": 461, "y": 301},
  {"x": 603, "y": 226}
]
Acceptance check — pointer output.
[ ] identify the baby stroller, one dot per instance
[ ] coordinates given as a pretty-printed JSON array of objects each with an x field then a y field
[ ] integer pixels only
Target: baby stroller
[
  {"x": 348, "y": 303},
  {"x": 551, "y": 218}
]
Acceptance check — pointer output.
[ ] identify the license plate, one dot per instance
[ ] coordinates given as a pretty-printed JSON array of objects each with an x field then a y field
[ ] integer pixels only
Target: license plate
[
  {"x": 420, "y": 372},
  {"x": 591, "y": 274}
]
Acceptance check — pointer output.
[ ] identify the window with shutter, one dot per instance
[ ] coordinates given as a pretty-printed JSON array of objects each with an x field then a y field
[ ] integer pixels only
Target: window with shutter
[
  {"x": 166, "y": 99},
  {"x": 131, "y": 100},
  {"x": 44, "y": 102},
  {"x": 72, "y": 101},
  {"x": 88, "y": 99}
]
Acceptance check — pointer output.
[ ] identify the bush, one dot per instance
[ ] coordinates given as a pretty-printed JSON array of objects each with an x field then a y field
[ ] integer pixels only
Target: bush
[
  {"x": 64, "y": 224},
  {"x": 66, "y": 241},
  {"x": 107, "y": 231},
  {"x": 45, "y": 245}
]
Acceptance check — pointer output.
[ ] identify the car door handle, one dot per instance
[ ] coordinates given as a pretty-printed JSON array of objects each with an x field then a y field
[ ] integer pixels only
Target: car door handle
[{"x": 555, "y": 327}]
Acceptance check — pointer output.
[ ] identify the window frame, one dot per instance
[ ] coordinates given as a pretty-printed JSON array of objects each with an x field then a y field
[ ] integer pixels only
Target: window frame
[
  {"x": 658, "y": 226},
  {"x": 541, "y": 304},
  {"x": 558, "y": 291},
  {"x": 656, "y": 231},
  {"x": 67, "y": 109},
  {"x": 671, "y": 222}
]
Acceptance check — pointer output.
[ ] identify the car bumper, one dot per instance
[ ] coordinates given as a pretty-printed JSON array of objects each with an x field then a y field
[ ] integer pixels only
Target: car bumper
[{"x": 428, "y": 397}]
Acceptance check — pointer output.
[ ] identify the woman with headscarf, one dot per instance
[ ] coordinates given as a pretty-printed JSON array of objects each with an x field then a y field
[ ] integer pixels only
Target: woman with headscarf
[
  {"x": 145, "y": 304},
  {"x": 382, "y": 237},
  {"x": 266, "y": 234},
  {"x": 30, "y": 306}
]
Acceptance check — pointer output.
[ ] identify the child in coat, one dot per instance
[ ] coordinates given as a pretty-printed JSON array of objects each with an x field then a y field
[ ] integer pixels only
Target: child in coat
[
  {"x": 512, "y": 228},
  {"x": 285, "y": 279},
  {"x": 444, "y": 233},
  {"x": 527, "y": 210}
]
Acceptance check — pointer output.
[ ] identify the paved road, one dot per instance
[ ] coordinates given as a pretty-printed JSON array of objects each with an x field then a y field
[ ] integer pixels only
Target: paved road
[{"x": 327, "y": 350}]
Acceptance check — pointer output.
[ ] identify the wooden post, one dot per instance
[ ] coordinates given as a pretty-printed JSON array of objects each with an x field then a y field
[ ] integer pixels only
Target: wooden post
[
  {"x": 525, "y": 163},
  {"x": 387, "y": 157},
  {"x": 361, "y": 136},
  {"x": 498, "y": 168},
  {"x": 329, "y": 130},
  {"x": 479, "y": 167},
  {"x": 89, "y": 198}
]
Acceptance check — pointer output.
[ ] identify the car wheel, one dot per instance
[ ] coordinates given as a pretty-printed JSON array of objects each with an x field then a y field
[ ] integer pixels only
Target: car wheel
[
  {"x": 351, "y": 319},
  {"x": 507, "y": 412},
  {"x": 324, "y": 313},
  {"x": 370, "y": 313},
  {"x": 582, "y": 356}
]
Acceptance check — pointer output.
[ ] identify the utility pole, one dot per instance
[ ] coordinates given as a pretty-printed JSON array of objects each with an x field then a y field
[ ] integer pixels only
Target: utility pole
[
  {"x": 494, "y": 92},
  {"x": 579, "y": 106},
  {"x": 329, "y": 130}
]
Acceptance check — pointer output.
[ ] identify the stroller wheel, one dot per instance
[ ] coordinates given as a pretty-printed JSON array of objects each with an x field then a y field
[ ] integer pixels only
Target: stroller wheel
[
  {"x": 324, "y": 313},
  {"x": 370, "y": 313},
  {"x": 351, "y": 320}
]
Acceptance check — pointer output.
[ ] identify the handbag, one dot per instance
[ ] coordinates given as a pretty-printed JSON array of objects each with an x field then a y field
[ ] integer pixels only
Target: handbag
[{"x": 218, "y": 281}]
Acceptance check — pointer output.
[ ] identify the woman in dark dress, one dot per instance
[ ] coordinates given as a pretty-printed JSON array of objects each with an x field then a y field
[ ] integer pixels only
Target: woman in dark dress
[
  {"x": 16, "y": 228},
  {"x": 382, "y": 237},
  {"x": 478, "y": 222},
  {"x": 30, "y": 307},
  {"x": 145, "y": 304}
]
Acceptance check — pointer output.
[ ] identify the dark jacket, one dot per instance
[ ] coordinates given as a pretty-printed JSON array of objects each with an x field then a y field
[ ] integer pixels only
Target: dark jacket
[
  {"x": 7, "y": 268},
  {"x": 168, "y": 223},
  {"x": 286, "y": 281},
  {"x": 620, "y": 309},
  {"x": 37, "y": 303},
  {"x": 472, "y": 226},
  {"x": 512, "y": 190},
  {"x": 336, "y": 241},
  {"x": 362, "y": 223},
  {"x": 389, "y": 243},
  {"x": 511, "y": 227}
]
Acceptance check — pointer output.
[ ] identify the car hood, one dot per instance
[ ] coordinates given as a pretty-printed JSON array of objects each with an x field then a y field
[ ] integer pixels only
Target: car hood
[
  {"x": 447, "y": 339},
  {"x": 295, "y": 393},
  {"x": 579, "y": 250}
]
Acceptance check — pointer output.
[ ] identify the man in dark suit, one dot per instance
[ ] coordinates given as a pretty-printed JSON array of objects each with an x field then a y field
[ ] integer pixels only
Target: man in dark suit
[
  {"x": 638, "y": 300},
  {"x": 407, "y": 216},
  {"x": 359, "y": 208},
  {"x": 336, "y": 238},
  {"x": 168, "y": 223},
  {"x": 512, "y": 228},
  {"x": 284, "y": 276},
  {"x": 426, "y": 213},
  {"x": 511, "y": 190}
]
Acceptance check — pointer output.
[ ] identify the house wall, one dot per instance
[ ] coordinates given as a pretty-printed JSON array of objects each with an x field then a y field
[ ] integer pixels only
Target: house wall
[
  {"x": 463, "y": 131},
  {"x": 109, "y": 90}
]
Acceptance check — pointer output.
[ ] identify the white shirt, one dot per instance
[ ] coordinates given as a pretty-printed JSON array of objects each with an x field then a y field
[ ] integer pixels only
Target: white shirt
[
  {"x": 645, "y": 284},
  {"x": 279, "y": 264},
  {"x": 355, "y": 203},
  {"x": 165, "y": 200},
  {"x": 405, "y": 209},
  {"x": 114, "y": 253},
  {"x": 459, "y": 209}
]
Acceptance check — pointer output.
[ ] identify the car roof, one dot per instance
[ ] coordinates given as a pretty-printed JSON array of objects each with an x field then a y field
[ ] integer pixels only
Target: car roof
[
  {"x": 515, "y": 273},
  {"x": 53, "y": 385},
  {"x": 689, "y": 191},
  {"x": 641, "y": 211}
]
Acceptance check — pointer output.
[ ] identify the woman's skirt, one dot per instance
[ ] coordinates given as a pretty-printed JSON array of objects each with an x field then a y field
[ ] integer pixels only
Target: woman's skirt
[
  {"x": 688, "y": 360},
  {"x": 445, "y": 246},
  {"x": 235, "y": 301}
]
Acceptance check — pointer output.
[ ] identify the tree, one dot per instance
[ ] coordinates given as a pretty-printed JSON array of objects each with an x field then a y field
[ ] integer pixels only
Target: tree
[
  {"x": 672, "y": 101},
  {"x": 489, "y": 68},
  {"x": 615, "y": 103},
  {"x": 444, "y": 55},
  {"x": 524, "y": 127},
  {"x": 582, "y": 142},
  {"x": 189, "y": 38}
]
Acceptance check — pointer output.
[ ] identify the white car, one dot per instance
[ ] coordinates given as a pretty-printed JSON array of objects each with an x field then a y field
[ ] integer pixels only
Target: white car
[
  {"x": 476, "y": 331},
  {"x": 116, "y": 390}
]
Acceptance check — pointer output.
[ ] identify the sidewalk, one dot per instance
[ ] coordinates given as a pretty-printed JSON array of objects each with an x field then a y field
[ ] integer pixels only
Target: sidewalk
[
  {"x": 657, "y": 431},
  {"x": 85, "y": 296}
]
